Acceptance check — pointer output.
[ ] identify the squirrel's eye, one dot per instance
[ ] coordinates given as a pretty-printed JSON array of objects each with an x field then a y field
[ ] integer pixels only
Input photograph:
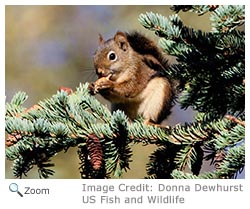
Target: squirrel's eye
[{"x": 112, "y": 56}]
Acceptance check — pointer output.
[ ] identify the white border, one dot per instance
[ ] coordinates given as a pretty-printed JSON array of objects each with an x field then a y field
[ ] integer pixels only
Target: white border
[{"x": 68, "y": 192}]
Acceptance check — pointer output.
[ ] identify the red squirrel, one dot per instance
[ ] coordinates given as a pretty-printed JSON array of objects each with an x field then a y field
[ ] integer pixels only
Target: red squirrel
[{"x": 129, "y": 67}]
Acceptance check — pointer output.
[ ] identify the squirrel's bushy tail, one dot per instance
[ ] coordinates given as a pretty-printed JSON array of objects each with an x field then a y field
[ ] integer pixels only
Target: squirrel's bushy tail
[
  {"x": 153, "y": 55},
  {"x": 149, "y": 49}
]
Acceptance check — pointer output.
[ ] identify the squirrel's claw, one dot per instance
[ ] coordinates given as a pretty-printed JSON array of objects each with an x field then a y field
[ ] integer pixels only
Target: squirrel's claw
[
  {"x": 101, "y": 84},
  {"x": 92, "y": 89}
]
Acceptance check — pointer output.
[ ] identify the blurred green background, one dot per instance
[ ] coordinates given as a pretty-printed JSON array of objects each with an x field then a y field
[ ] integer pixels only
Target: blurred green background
[{"x": 52, "y": 46}]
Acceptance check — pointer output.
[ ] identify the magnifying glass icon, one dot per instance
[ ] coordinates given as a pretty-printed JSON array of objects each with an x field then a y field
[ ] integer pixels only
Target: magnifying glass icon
[{"x": 13, "y": 187}]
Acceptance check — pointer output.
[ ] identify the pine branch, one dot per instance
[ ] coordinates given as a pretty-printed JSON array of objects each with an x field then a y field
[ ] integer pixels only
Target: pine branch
[
  {"x": 234, "y": 119},
  {"x": 16, "y": 108},
  {"x": 199, "y": 9},
  {"x": 75, "y": 119},
  {"x": 162, "y": 163},
  {"x": 161, "y": 26},
  {"x": 57, "y": 124},
  {"x": 190, "y": 157},
  {"x": 210, "y": 64},
  {"x": 232, "y": 162},
  {"x": 211, "y": 75},
  {"x": 230, "y": 166},
  {"x": 227, "y": 17}
]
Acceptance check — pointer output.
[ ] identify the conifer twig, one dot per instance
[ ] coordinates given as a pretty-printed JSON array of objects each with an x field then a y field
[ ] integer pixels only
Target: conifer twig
[{"x": 234, "y": 119}]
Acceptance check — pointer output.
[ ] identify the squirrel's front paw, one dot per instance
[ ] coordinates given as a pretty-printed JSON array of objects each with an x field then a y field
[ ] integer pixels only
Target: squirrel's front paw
[
  {"x": 101, "y": 84},
  {"x": 91, "y": 88}
]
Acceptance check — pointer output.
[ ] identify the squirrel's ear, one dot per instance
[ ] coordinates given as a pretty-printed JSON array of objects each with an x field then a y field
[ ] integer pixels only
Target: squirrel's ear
[
  {"x": 121, "y": 40},
  {"x": 101, "y": 41}
]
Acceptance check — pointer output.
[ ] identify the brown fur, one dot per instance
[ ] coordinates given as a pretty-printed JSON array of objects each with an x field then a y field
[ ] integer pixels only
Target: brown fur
[{"x": 128, "y": 67}]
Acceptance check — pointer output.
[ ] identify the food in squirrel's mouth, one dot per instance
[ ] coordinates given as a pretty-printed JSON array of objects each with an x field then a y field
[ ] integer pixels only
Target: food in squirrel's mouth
[{"x": 105, "y": 76}]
